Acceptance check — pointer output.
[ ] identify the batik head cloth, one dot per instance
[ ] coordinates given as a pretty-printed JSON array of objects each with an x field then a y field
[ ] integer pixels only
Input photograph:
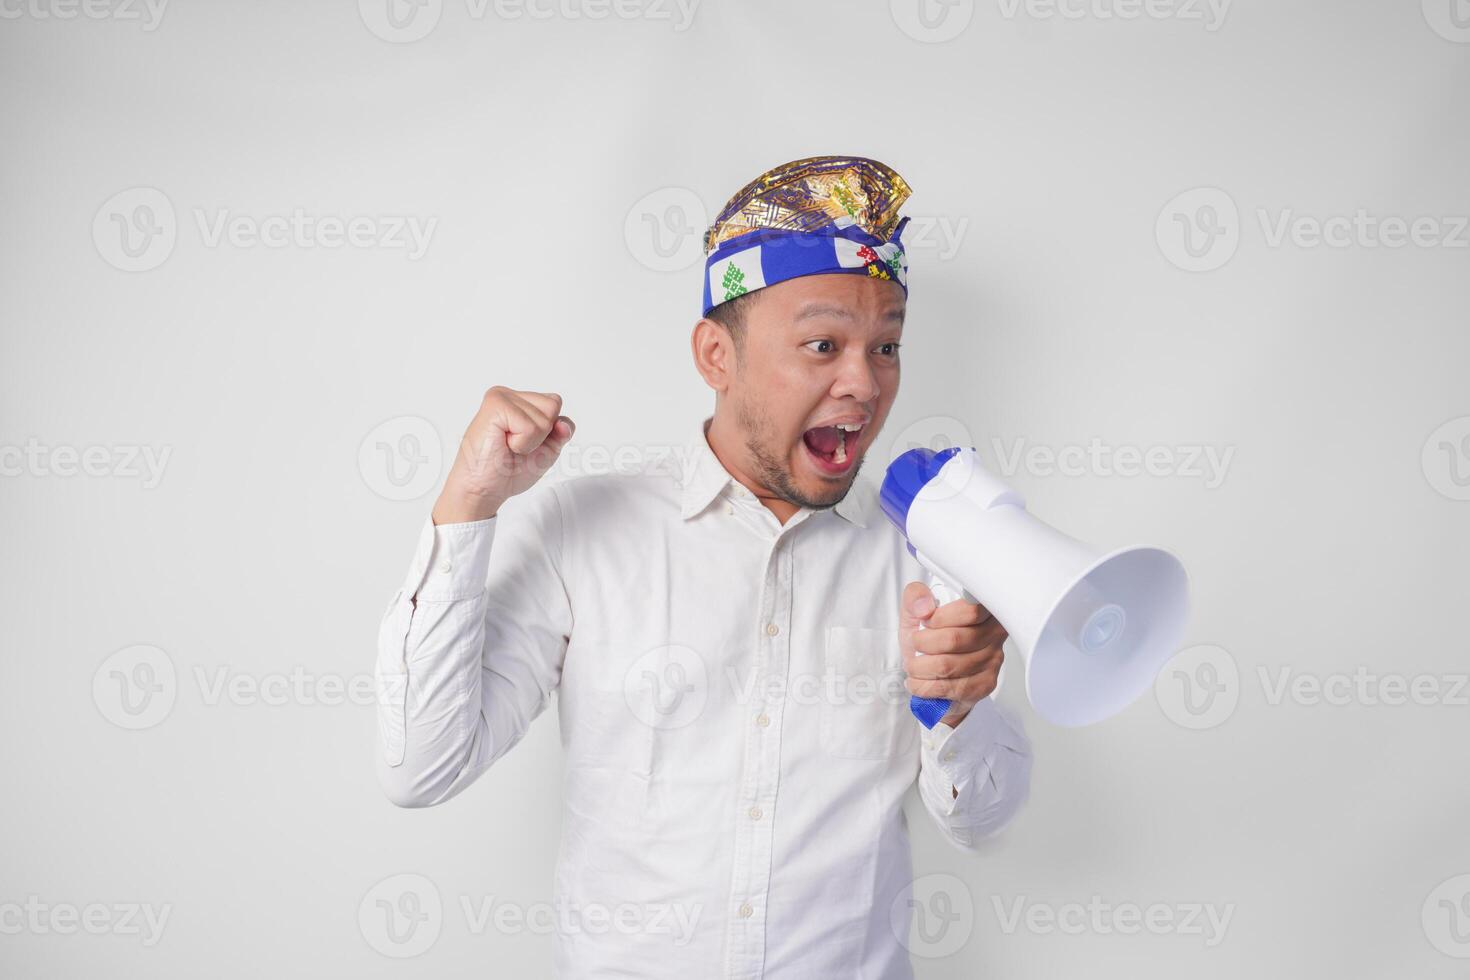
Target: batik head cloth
[{"x": 805, "y": 218}]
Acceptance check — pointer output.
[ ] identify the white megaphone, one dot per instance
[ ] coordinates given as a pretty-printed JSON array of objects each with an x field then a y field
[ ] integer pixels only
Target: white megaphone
[{"x": 1093, "y": 629}]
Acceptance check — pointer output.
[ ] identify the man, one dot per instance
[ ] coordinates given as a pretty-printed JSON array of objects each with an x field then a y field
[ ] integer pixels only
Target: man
[{"x": 734, "y": 649}]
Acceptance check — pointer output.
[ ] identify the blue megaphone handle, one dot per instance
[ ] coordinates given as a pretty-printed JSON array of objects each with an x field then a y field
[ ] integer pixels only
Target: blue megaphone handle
[
  {"x": 906, "y": 476},
  {"x": 928, "y": 710}
]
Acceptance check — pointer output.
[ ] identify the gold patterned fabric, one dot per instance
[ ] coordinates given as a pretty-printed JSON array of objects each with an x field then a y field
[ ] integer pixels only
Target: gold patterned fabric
[{"x": 805, "y": 195}]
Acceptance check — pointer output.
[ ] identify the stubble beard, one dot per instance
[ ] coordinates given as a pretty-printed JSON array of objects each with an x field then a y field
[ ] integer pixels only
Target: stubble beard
[{"x": 773, "y": 471}]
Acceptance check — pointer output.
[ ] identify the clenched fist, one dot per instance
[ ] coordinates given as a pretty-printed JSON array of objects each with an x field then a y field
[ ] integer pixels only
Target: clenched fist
[
  {"x": 952, "y": 652},
  {"x": 511, "y": 442}
]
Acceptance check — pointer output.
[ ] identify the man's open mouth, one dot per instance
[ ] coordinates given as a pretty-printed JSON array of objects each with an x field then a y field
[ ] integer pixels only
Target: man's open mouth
[{"x": 833, "y": 447}]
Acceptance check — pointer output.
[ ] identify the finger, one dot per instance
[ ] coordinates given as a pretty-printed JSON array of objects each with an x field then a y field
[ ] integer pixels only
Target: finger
[
  {"x": 973, "y": 688},
  {"x": 948, "y": 666},
  {"x": 486, "y": 431},
  {"x": 545, "y": 456},
  {"x": 525, "y": 427},
  {"x": 959, "y": 639},
  {"x": 916, "y": 604},
  {"x": 958, "y": 613},
  {"x": 561, "y": 433},
  {"x": 978, "y": 653},
  {"x": 534, "y": 410},
  {"x": 485, "y": 439},
  {"x": 548, "y": 403}
]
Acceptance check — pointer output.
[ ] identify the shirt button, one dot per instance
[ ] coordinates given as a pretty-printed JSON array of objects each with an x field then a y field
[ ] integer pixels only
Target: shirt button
[
  {"x": 763, "y": 720},
  {"x": 949, "y": 756},
  {"x": 729, "y": 508},
  {"x": 756, "y": 813},
  {"x": 745, "y": 910},
  {"x": 445, "y": 567},
  {"x": 772, "y": 629}
]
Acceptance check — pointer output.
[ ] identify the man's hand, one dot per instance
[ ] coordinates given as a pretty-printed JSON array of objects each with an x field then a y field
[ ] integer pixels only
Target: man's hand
[
  {"x": 513, "y": 439},
  {"x": 954, "y": 655}
]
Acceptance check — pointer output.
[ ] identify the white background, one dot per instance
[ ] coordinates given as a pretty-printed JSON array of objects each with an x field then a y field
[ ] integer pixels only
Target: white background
[{"x": 567, "y": 163}]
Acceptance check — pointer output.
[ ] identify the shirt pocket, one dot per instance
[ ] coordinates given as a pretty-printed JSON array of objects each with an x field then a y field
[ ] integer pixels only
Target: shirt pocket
[{"x": 865, "y": 706}]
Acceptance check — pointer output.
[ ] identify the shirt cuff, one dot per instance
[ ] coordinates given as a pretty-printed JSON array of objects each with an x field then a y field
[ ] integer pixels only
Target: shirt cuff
[
  {"x": 953, "y": 754},
  {"x": 453, "y": 561}
]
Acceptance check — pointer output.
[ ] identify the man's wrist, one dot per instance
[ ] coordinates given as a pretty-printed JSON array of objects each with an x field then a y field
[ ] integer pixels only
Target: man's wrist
[
  {"x": 456, "y": 506},
  {"x": 957, "y": 714}
]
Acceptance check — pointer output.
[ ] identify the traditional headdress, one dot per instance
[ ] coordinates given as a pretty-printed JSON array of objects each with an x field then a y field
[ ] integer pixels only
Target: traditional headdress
[{"x": 805, "y": 218}]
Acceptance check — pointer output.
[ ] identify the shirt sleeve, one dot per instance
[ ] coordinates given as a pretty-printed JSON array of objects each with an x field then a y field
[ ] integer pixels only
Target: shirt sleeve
[
  {"x": 974, "y": 777},
  {"x": 471, "y": 648}
]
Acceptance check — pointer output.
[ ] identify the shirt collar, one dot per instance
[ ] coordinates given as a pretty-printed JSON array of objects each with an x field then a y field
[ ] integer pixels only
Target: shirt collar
[{"x": 705, "y": 477}]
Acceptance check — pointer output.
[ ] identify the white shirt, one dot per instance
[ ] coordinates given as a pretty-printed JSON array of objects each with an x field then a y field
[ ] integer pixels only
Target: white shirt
[{"x": 736, "y": 732}]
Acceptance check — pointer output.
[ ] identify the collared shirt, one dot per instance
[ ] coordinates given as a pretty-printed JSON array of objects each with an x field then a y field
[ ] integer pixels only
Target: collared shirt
[{"x": 734, "y": 721}]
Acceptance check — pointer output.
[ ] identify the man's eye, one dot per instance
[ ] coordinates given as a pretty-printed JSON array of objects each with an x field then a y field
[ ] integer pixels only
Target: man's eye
[
  {"x": 889, "y": 350},
  {"x": 827, "y": 349}
]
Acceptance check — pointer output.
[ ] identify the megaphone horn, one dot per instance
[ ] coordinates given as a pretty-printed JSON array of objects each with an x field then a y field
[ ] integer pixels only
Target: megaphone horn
[{"x": 1093, "y": 629}]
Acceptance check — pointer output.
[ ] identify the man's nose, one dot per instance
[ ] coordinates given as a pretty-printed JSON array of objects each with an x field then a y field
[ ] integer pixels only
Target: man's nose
[{"x": 855, "y": 378}]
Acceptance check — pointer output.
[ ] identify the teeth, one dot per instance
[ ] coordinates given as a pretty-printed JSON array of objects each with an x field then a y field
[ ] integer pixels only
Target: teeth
[
  {"x": 849, "y": 426},
  {"x": 840, "y": 455}
]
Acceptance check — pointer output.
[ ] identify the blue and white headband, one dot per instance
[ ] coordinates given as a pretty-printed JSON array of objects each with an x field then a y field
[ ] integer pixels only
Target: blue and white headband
[{"x": 764, "y": 258}]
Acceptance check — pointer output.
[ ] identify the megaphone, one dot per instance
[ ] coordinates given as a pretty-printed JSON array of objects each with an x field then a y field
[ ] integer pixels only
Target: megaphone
[{"x": 1093, "y": 629}]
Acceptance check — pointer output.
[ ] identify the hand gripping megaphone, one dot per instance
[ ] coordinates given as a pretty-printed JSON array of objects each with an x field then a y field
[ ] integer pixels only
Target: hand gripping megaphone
[{"x": 1093, "y": 629}]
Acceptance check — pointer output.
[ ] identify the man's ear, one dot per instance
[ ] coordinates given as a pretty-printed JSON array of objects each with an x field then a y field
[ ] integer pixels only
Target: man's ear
[{"x": 714, "y": 353}]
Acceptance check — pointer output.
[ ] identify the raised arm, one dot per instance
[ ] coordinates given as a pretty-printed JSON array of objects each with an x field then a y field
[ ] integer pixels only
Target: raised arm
[{"x": 471, "y": 646}]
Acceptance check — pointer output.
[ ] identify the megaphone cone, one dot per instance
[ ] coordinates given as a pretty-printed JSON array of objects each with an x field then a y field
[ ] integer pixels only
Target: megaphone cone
[
  {"x": 1108, "y": 637},
  {"x": 1093, "y": 629}
]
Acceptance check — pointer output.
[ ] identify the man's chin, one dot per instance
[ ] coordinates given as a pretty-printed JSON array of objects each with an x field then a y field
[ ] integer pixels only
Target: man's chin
[{"x": 821, "y": 489}]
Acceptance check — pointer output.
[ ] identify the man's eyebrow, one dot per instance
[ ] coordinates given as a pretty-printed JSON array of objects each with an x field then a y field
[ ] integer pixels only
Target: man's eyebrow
[
  {"x": 823, "y": 309},
  {"x": 841, "y": 312}
]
